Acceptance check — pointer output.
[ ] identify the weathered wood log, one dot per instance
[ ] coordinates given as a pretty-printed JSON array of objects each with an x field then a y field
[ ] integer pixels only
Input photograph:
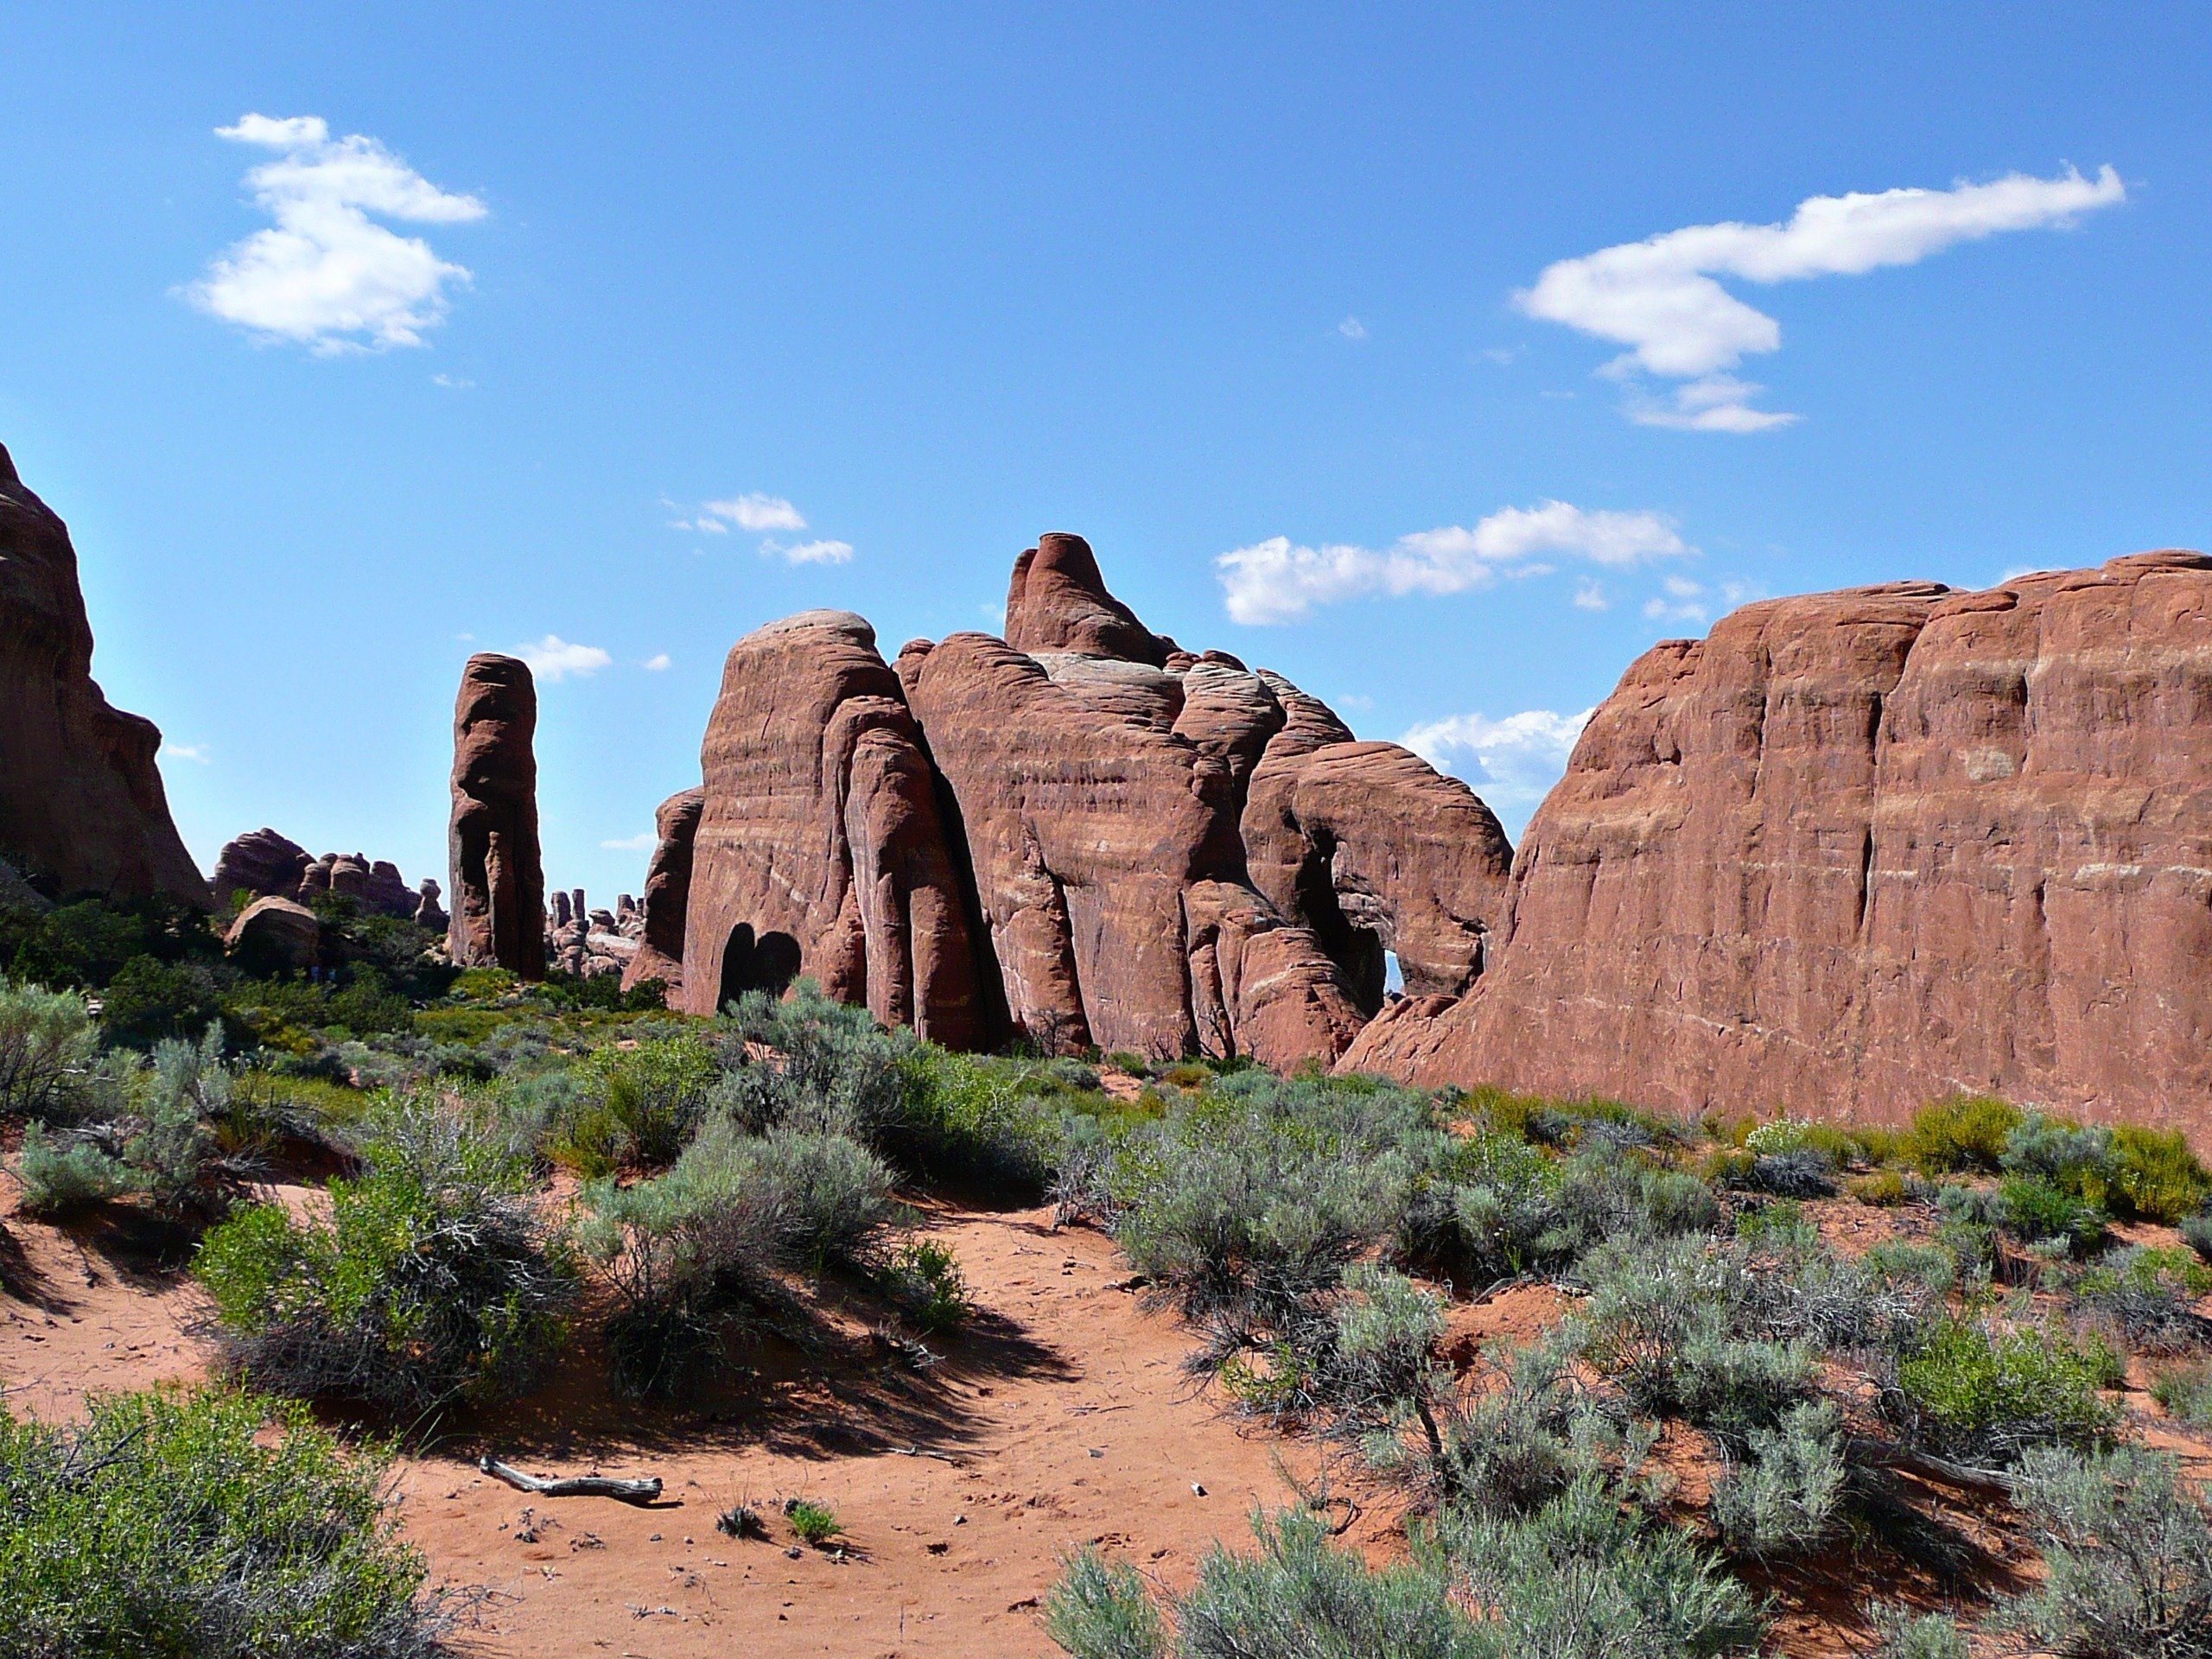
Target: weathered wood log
[{"x": 628, "y": 1492}]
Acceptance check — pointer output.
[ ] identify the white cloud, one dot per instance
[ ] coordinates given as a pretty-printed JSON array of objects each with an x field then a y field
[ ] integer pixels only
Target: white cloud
[
  {"x": 643, "y": 844},
  {"x": 196, "y": 753},
  {"x": 1501, "y": 355},
  {"x": 451, "y": 383},
  {"x": 1659, "y": 296},
  {"x": 757, "y": 512},
  {"x": 654, "y": 665},
  {"x": 326, "y": 274},
  {"x": 1691, "y": 601},
  {"x": 554, "y": 658},
  {"x": 1274, "y": 580},
  {"x": 810, "y": 552},
  {"x": 1511, "y": 763},
  {"x": 1591, "y": 596},
  {"x": 1352, "y": 328}
]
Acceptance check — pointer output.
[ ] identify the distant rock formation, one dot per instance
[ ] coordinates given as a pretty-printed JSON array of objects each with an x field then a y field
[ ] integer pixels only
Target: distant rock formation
[
  {"x": 429, "y": 913},
  {"x": 263, "y": 863},
  {"x": 1047, "y": 833},
  {"x": 498, "y": 879},
  {"x": 81, "y": 805},
  {"x": 819, "y": 847},
  {"x": 1857, "y": 849},
  {"x": 668, "y": 893},
  {"x": 267, "y": 865},
  {"x": 273, "y": 936}
]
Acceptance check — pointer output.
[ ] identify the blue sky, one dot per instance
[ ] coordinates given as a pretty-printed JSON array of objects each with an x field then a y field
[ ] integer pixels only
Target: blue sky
[{"x": 1313, "y": 290}]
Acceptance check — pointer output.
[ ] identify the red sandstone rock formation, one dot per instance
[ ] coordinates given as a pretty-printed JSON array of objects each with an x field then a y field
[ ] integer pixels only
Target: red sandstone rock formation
[
  {"x": 1857, "y": 849},
  {"x": 274, "y": 935},
  {"x": 1090, "y": 785},
  {"x": 819, "y": 850},
  {"x": 1100, "y": 799},
  {"x": 82, "y": 804},
  {"x": 499, "y": 880},
  {"x": 1058, "y": 601},
  {"x": 260, "y": 862},
  {"x": 1381, "y": 852}
]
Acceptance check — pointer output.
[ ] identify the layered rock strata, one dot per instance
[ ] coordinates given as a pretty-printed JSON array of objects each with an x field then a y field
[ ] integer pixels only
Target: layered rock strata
[
  {"x": 1854, "y": 851},
  {"x": 660, "y": 915},
  {"x": 819, "y": 849},
  {"x": 496, "y": 870},
  {"x": 82, "y": 808}
]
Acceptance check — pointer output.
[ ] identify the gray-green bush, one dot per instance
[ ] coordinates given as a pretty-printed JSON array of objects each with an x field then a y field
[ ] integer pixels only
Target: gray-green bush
[
  {"x": 177, "y": 1524},
  {"x": 433, "y": 1276},
  {"x": 46, "y": 1043}
]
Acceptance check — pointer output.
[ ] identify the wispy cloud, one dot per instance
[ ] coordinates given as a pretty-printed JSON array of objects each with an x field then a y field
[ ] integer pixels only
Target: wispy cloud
[
  {"x": 1683, "y": 600},
  {"x": 1352, "y": 328},
  {"x": 1659, "y": 296},
  {"x": 757, "y": 512},
  {"x": 643, "y": 844},
  {"x": 554, "y": 658},
  {"x": 1276, "y": 581},
  {"x": 656, "y": 662},
  {"x": 1591, "y": 596},
  {"x": 196, "y": 753},
  {"x": 326, "y": 274},
  {"x": 810, "y": 552},
  {"x": 1511, "y": 763}
]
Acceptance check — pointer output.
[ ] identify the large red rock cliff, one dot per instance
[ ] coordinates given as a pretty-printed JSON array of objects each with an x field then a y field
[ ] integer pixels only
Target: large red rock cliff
[
  {"x": 1856, "y": 850},
  {"x": 82, "y": 804}
]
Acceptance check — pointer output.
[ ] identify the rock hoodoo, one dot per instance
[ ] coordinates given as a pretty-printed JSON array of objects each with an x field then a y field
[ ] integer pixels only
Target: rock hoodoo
[
  {"x": 1856, "y": 850},
  {"x": 498, "y": 879},
  {"x": 668, "y": 893},
  {"x": 1047, "y": 833},
  {"x": 819, "y": 849},
  {"x": 82, "y": 804}
]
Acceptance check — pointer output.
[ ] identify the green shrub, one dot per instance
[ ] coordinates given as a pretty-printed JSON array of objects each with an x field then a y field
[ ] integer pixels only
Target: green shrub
[
  {"x": 636, "y": 1106},
  {"x": 926, "y": 1275},
  {"x": 149, "y": 1002},
  {"x": 1906, "y": 1635},
  {"x": 2196, "y": 1231},
  {"x": 46, "y": 1042},
  {"x": 1098, "y": 1612},
  {"x": 1583, "y": 1578},
  {"x": 173, "y": 1524},
  {"x": 2064, "y": 1155},
  {"x": 2035, "y": 1210},
  {"x": 2157, "y": 1175},
  {"x": 1962, "y": 1132},
  {"x": 815, "y": 1522},
  {"x": 433, "y": 1276},
  {"x": 1981, "y": 1394},
  {"x": 61, "y": 1178},
  {"x": 1885, "y": 1189},
  {"x": 1299, "y": 1596},
  {"x": 2127, "y": 1551},
  {"x": 2149, "y": 1297},
  {"x": 688, "y": 1251},
  {"x": 2186, "y": 1393},
  {"x": 1482, "y": 1208},
  {"x": 1784, "y": 1501}
]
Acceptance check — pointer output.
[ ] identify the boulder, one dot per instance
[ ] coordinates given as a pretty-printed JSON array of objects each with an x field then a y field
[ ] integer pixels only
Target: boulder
[
  {"x": 260, "y": 862},
  {"x": 497, "y": 874},
  {"x": 819, "y": 849},
  {"x": 275, "y": 935},
  {"x": 1855, "y": 850},
  {"x": 82, "y": 808},
  {"x": 387, "y": 892},
  {"x": 668, "y": 894}
]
